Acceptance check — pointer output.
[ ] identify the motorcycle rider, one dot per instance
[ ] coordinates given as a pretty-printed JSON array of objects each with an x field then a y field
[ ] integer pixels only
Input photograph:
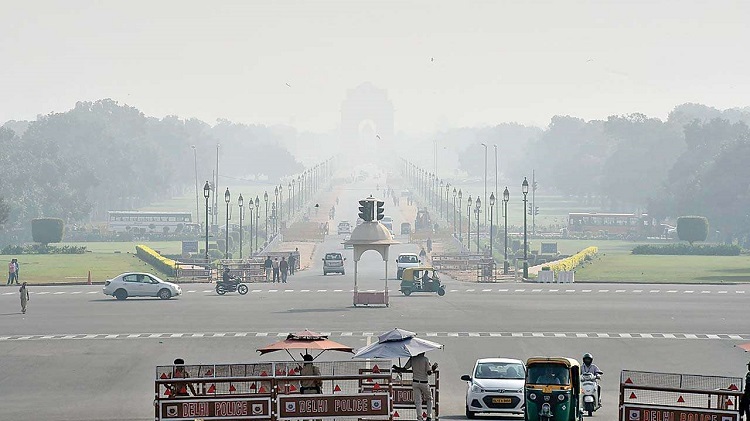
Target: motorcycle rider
[
  {"x": 589, "y": 367},
  {"x": 227, "y": 277}
]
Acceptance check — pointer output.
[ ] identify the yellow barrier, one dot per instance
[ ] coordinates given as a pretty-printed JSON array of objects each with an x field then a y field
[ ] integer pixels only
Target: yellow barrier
[{"x": 573, "y": 261}]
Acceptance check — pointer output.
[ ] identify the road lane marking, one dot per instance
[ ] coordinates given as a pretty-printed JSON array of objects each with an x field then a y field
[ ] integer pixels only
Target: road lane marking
[
  {"x": 192, "y": 290},
  {"x": 536, "y": 290},
  {"x": 338, "y": 290},
  {"x": 502, "y": 290},
  {"x": 619, "y": 290},
  {"x": 322, "y": 290},
  {"x": 654, "y": 291},
  {"x": 76, "y": 292},
  {"x": 560, "y": 335},
  {"x": 518, "y": 290},
  {"x": 486, "y": 290},
  {"x": 689, "y": 292},
  {"x": 586, "y": 290},
  {"x": 637, "y": 290},
  {"x": 603, "y": 290},
  {"x": 672, "y": 291}
]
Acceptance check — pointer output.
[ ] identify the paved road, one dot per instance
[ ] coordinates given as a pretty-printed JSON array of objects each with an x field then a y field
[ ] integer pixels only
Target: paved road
[{"x": 80, "y": 355}]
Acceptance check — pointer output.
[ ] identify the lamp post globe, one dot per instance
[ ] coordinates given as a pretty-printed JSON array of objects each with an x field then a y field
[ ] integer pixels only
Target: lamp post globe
[{"x": 525, "y": 191}]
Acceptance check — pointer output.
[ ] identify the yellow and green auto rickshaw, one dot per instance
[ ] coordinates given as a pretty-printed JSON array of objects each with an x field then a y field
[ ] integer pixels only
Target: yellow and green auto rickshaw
[
  {"x": 421, "y": 279},
  {"x": 553, "y": 389}
]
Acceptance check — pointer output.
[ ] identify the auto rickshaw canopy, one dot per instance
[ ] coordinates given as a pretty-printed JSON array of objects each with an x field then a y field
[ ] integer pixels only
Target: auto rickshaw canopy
[{"x": 408, "y": 273}]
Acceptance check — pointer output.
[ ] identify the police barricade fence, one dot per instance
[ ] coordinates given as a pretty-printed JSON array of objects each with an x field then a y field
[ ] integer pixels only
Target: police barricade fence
[
  {"x": 670, "y": 396},
  {"x": 247, "y": 270},
  {"x": 456, "y": 261},
  {"x": 402, "y": 395},
  {"x": 271, "y": 391}
]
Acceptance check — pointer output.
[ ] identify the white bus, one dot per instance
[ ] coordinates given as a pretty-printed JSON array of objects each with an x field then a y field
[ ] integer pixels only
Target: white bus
[{"x": 145, "y": 221}]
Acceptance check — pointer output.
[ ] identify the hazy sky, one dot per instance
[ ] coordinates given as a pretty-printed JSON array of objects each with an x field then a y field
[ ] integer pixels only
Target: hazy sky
[{"x": 494, "y": 61}]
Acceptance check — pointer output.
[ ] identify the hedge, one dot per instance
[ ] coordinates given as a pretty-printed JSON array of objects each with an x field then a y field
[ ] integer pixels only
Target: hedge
[
  {"x": 573, "y": 261},
  {"x": 161, "y": 263},
  {"x": 47, "y": 230},
  {"x": 687, "y": 250}
]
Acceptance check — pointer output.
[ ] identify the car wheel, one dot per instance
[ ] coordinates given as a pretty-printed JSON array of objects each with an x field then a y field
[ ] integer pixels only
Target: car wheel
[
  {"x": 470, "y": 415},
  {"x": 165, "y": 294},
  {"x": 242, "y": 289},
  {"x": 325, "y": 273},
  {"x": 343, "y": 273},
  {"x": 121, "y": 294}
]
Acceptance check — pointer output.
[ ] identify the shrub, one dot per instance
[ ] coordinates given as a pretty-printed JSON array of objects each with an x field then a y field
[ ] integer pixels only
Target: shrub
[
  {"x": 47, "y": 230},
  {"x": 161, "y": 263},
  {"x": 687, "y": 250},
  {"x": 573, "y": 261},
  {"x": 692, "y": 228}
]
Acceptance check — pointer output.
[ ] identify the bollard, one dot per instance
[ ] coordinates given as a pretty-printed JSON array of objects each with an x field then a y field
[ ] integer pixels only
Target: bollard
[{"x": 89, "y": 277}]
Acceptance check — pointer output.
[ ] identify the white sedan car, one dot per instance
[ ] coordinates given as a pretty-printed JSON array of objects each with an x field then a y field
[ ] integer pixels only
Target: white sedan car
[
  {"x": 135, "y": 284},
  {"x": 495, "y": 387}
]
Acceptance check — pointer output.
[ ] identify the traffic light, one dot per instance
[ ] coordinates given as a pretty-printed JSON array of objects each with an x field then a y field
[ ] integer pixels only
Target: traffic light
[
  {"x": 536, "y": 210},
  {"x": 529, "y": 210},
  {"x": 380, "y": 211},
  {"x": 366, "y": 209}
]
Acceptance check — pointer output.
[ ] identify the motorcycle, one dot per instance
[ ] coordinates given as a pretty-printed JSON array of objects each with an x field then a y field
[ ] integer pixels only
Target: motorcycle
[
  {"x": 590, "y": 388},
  {"x": 223, "y": 287}
]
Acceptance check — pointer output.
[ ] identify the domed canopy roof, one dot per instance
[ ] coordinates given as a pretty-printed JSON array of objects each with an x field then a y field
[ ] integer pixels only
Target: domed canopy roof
[{"x": 371, "y": 233}]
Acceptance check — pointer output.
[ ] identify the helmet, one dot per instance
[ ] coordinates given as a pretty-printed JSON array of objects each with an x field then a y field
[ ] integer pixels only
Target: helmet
[{"x": 587, "y": 356}]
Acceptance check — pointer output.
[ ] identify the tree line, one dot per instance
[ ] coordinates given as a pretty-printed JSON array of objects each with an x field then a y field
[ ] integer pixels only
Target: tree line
[
  {"x": 101, "y": 156},
  {"x": 694, "y": 163}
]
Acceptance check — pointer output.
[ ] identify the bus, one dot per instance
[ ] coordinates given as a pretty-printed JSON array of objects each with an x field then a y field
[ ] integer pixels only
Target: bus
[
  {"x": 619, "y": 224},
  {"x": 146, "y": 221}
]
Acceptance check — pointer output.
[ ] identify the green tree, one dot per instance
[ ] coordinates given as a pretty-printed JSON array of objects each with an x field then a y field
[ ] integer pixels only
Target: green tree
[
  {"x": 4, "y": 211},
  {"x": 692, "y": 228}
]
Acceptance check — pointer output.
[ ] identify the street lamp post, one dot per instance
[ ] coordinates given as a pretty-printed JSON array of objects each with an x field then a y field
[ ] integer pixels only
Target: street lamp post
[
  {"x": 227, "y": 197},
  {"x": 454, "y": 211},
  {"x": 440, "y": 201},
  {"x": 289, "y": 201},
  {"x": 469, "y": 204},
  {"x": 257, "y": 221},
  {"x": 240, "y": 202},
  {"x": 265, "y": 198},
  {"x": 485, "y": 181},
  {"x": 478, "y": 211},
  {"x": 506, "y": 197},
  {"x": 274, "y": 218},
  {"x": 207, "y": 194},
  {"x": 197, "y": 198},
  {"x": 447, "y": 192},
  {"x": 251, "y": 205},
  {"x": 492, "y": 208},
  {"x": 497, "y": 193},
  {"x": 281, "y": 205},
  {"x": 275, "y": 206},
  {"x": 294, "y": 191},
  {"x": 460, "y": 219},
  {"x": 525, "y": 190}
]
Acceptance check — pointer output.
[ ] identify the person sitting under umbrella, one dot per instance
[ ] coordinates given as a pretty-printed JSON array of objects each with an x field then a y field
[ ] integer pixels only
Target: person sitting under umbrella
[
  {"x": 309, "y": 386},
  {"x": 421, "y": 369}
]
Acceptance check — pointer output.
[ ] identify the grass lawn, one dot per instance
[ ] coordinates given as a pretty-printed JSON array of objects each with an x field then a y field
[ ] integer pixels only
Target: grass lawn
[
  {"x": 164, "y": 247},
  {"x": 666, "y": 269},
  {"x": 64, "y": 268}
]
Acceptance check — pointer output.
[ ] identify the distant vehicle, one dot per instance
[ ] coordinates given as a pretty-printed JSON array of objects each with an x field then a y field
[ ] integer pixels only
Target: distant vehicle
[
  {"x": 423, "y": 223},
  {"x": 405, "y": 228},
  {"x": 405, "y": 193},
  {"x": 624, "y": 224},
  {"x": 406, "y": 260},
  {"x": 333, "y": 263},
  {"x": 496, "y": 386},
  {"x": 134, "y": 284},
  {"x": 388, "y": 222},
  {"x": 348, "y": 246},
  {"x": 360, "y": 221},
  {"x": 143, "y": 222},
  {"x": 344, "y": 228}
]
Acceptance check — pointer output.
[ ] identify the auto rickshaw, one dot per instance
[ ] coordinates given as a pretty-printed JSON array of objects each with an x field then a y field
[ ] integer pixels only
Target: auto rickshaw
[
  {"x": 421, "y": 279},
  {"x": 553, "y": 389}
]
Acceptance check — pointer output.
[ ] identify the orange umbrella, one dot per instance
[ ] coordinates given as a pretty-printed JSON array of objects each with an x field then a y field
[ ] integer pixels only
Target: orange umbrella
[
  {"x": 307, "y": 340},
  {"x": 746, "y": 347}
]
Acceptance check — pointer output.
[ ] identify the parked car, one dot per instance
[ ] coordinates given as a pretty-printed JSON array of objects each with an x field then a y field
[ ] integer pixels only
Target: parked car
[
  {"x": 496, "y": 386},
  {"x": 134, "y": 284},
  {"x": 344, "y": 228},
  {"x": 406, "y": 260},
  {"x": 333, "y": 263}
]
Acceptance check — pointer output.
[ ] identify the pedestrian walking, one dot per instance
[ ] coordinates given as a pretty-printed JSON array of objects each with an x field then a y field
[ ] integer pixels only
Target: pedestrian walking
[
  {"x": 24, "y": 297},
  {"x": 284, "y": 269},
  {"x": 292, "y": 263},
  {"x": 11, "y": 271},
  {"x": 275, "y": 269},
  {"x": 18, "y": 267},
  {"x": 268, "y": 265},
  {"x": 429, "y": 245}
]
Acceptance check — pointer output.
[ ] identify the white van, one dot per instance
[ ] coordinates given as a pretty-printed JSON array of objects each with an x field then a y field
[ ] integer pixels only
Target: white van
[{"x": 406, "y": 260}]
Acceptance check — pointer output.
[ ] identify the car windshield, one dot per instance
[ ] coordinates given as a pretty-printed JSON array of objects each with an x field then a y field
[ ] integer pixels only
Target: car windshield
[
  {"x": 408, "y": 259},
  {"x": 499, "y": 370},
  {"x": 333, "y": 256},
  {"x": 548, "y": 374}
]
